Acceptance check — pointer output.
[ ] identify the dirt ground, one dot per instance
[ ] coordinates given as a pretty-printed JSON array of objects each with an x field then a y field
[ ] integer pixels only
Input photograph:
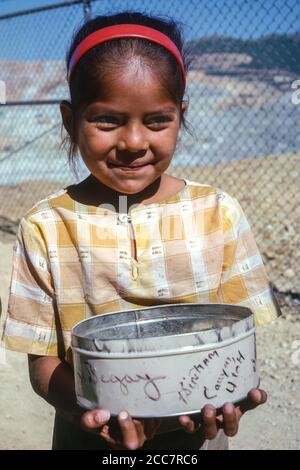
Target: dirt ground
[{"x": 26, "y": 420}]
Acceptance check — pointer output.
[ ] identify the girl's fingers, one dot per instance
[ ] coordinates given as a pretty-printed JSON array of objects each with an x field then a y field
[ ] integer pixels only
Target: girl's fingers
[
  {"x": 132, "y": 431},
  {"x": 94, "y": 419},
  {"x": 150, "y": 427},
  {"x": 230, "y": 420},
  {"x": 209, "y": 423},
  {"x": 113, "y": 443},
  {"x": 256, "y": 397},
  {"x": 140, "y": 429},
  {"x": 188, "y": 424}
]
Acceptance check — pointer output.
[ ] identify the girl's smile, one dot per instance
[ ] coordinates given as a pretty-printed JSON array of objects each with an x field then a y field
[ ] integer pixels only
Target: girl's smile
[{"x": 127, "y": 137}]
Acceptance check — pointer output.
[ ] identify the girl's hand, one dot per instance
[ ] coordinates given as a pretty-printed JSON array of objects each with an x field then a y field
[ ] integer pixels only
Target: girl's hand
[
  {"x": 122, "y": 432},
  {"x": 228, "y": 420}
]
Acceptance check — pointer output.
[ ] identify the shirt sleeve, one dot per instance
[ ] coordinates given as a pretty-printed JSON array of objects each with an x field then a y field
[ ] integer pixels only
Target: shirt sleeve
[
  {"x": 30, "y": 325},
  {"x": 244, "y": 280}
]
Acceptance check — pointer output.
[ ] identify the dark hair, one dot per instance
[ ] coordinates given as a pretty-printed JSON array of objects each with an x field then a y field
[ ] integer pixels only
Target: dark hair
[{"x": 99, "y": 61}]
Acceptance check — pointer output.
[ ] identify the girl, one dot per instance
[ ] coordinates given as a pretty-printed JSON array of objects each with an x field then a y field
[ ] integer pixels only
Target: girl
[{"x": 129, "y": 235}]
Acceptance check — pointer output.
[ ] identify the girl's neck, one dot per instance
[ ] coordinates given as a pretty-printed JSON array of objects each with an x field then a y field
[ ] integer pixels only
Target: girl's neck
[{"x": 92, "y": 192}]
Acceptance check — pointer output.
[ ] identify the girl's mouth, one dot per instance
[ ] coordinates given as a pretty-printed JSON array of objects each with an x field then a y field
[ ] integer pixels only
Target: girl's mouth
[
  {"x": 127, "y": 168},
  {"x": 130, "y": 169}
]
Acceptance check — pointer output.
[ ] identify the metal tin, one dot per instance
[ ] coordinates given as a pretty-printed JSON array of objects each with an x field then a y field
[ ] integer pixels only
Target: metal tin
[{"x": 165, "y": 360}]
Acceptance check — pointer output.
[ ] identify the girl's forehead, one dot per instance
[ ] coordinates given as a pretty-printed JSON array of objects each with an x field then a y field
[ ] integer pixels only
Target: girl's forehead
[
  {"x": 138, "y": 89},
  {"x": 121, "y": 107}
]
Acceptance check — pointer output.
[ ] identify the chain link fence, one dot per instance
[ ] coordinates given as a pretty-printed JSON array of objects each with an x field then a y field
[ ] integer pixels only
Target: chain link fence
[{"x": 244, "y": 111}]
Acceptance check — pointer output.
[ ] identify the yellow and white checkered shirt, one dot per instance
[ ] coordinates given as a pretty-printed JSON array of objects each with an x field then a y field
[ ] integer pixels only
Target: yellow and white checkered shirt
[{"x": 74, "y": 260}]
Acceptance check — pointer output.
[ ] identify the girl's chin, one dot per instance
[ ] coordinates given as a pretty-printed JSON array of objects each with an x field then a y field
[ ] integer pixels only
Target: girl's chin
[
  {"x": 123, "y": 185},
  {"x": 127, "y": 182},
  {"x": 131, "y": 187}
]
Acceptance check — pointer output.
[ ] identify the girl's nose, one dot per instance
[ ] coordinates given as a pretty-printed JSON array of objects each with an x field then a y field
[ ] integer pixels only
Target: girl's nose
[{"x": 133, "y": 139}]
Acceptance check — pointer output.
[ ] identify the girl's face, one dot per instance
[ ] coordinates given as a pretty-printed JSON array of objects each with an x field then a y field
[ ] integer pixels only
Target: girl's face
[{"x": 127, "y": 138}]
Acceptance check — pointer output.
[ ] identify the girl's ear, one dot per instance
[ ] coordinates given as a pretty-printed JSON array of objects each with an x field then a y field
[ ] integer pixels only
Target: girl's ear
[{"x": 67, "y": 117}]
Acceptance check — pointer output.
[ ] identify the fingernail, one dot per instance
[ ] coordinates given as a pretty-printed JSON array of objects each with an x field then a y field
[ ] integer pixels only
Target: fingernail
[
  {"x": 123, "y": 415},
  {"x": 90, "y": 419},
  {"x": 209, "y": 412},
  {"x": 184, "y": 420},
  {"x": 132, "y": 445},
  {"x": 228, "y": 407},
  {"x": 102, "y": 417}
]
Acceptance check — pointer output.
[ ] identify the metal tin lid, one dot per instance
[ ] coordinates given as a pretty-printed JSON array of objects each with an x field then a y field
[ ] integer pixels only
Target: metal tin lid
[{"x": 167, "y": 328}]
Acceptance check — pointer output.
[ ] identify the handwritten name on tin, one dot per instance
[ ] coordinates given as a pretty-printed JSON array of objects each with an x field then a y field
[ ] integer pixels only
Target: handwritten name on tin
[
  {"x": 227, "y": 378},
  {"x": 151, "y": 388},
  {"x": 89, "y": 375},
  {"x": 189, "y": 383}
]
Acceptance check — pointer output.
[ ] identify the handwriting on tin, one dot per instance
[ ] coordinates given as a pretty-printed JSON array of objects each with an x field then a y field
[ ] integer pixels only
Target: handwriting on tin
[
  {"x": 227, "y": 378},
  {"x": 151, "y": 388}
]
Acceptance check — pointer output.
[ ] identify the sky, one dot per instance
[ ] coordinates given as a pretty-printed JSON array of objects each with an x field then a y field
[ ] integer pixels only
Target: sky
[{"x": 45, "y": 36}]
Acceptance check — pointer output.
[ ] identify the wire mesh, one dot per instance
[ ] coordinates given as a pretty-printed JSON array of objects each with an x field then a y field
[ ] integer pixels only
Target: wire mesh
[{"x": 243, "y": 111}]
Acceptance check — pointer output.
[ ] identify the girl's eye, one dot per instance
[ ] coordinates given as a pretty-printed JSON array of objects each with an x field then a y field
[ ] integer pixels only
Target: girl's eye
[
  {"x": 107, "y": 120},
  {"x": 158, "y": 121}
]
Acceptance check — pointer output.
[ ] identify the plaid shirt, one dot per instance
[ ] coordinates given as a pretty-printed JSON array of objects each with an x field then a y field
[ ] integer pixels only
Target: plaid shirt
[{"x": 73, "y": 260}]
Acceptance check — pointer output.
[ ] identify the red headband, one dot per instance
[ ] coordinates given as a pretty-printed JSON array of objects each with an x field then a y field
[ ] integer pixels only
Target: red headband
[{"x": 121, "y": 31}]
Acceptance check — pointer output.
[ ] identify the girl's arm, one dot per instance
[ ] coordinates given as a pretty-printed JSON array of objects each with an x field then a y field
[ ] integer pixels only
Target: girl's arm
[{"x": 53, "y": 380}]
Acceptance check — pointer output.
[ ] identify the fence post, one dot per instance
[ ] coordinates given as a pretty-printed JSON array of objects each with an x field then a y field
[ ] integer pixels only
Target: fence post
[
  {"x": 2, "y": 92},
  {"x": 87, "y": 10}
]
